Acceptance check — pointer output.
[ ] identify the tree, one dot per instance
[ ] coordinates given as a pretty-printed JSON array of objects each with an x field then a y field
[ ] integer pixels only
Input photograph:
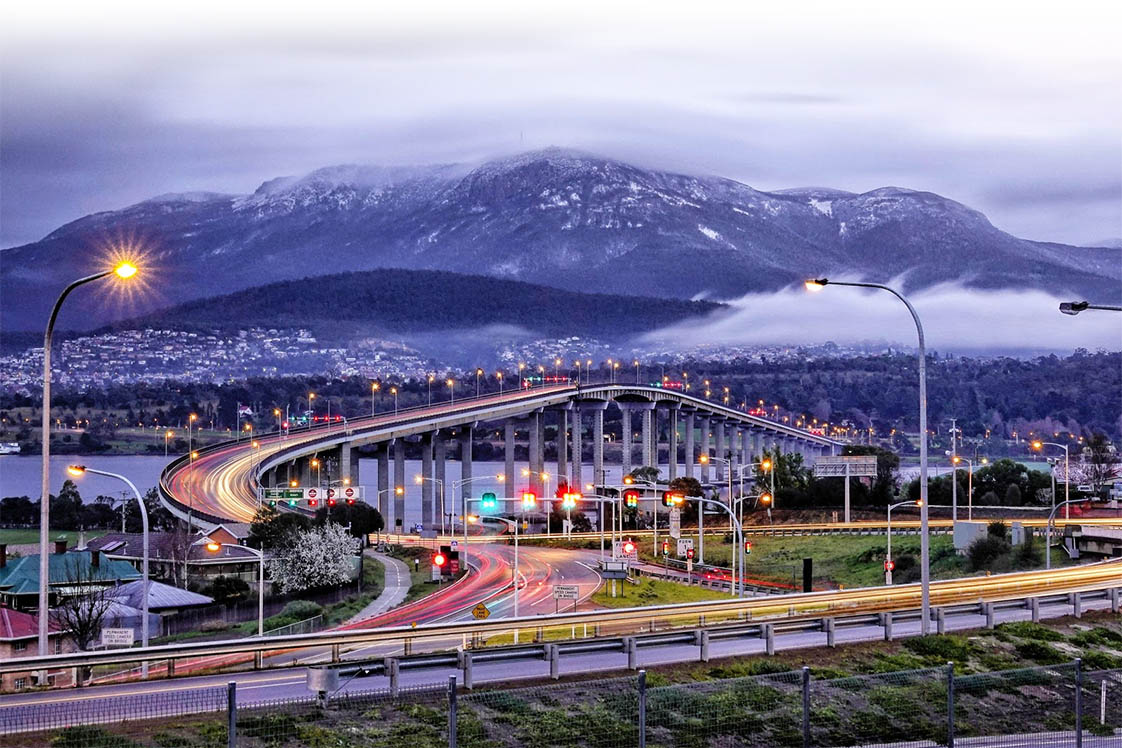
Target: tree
[
  {"x": 888, "y": 462},
  {"x": 271, "y": 527},
  {"x": 1099, "y": 464},
  {"x": 81, "y": 615},
  {"x": 226, "y": 589},
  {"x": 646, "y": 473},
  {"x": 1013, "y": 495},
  {"x": 311, "y": 558},
  {"x": 362, "y": 518}
]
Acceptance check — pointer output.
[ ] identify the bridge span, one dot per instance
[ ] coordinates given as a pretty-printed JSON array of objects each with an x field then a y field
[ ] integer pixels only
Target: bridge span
[{"x": 222, "y": 482}]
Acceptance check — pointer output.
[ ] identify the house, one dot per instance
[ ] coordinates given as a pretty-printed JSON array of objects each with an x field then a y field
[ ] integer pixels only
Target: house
[
  {"x": 19, "y": 634},
  {"x": 230, "y": 533},
  {"x": 162, "y": 598},
  {"x": 73, "y": 573},
  {"x": 179, "y": 558}
]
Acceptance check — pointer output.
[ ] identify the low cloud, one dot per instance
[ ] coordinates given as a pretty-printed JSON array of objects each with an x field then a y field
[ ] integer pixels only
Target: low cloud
[{"x": 955, "y": 320}]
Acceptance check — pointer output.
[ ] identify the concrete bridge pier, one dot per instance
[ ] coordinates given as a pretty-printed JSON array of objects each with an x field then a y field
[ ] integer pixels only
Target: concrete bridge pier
[
  {"x": 672, "y": 443},
  {"x": 705, "y": 434},
  {"x": 648, "y": 439},
  {"x": 426, "y": 481},
  {"x": 576, "y": 468},
  {"x": 398, "y": 486},
  {"x": 691, "y": 428},
  {"x": 439, "y": 471},
  {"x": 598, "y": 443},
  {"x": 718, "y": 464},
  {"x": 625, "y": 439},
  {"x": 508, "y": 450},
  {"x": 348, "y": 466},
  {"x": 384, "y": 489},
  {"x": 536, "y": 458},
  {"x": 465, "y": 437},
  {"x": 562, "y": 441}
]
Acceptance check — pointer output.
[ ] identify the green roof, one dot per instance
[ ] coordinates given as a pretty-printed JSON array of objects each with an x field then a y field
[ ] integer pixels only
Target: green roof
[{"x": 21, "y": 575}]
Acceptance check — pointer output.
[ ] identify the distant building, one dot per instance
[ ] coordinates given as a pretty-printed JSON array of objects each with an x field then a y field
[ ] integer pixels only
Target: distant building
[
  {"x": 19, "y": 634},
  {"x": 73, "y": 573},
  {"x": 181, "y": 558}
]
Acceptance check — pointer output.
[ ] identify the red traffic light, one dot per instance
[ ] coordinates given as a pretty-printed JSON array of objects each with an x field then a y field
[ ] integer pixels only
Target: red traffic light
[
  {"x": 631, "y": 498},
  {"x": 529, "y": 499},
  {"x": 689, "y": 553},
  {"x": 331, "y": 502},
  {"x": 350, "y": 502},
  {"x": 313, "y": 502},
  {"x": 628, "y": 547},
  {"x": 747, "y": 546},
  {"x": 670, "y": 498},
  {"x": 439, "y": 560}
]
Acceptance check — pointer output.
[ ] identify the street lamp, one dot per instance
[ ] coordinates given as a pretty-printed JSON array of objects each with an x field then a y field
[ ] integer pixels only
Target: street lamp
[
  {"x": 124, "y": 271},
  {"x": 190, "y": 431},
  {"x": 429, "y": 381},
  {"x": 374, "y": 387},
  {"x": 705, "y": 460},
  {"x": 420, "y": 479},
  {"x": 393, "y": 391},
  {"x": 78, "y": 470},
  {"x": 924, "y": 539},
  {"x": 970, "y": 481},
  {"x": 167, "y": 435},
  {"x": 478, "y": 374},
  {"x": 635, "y": 363},
  {"x": 888, "y": 565},
  {"x": 213, "y": 546},
  {"x": 451, "y": 389},
  {"x": 1075, "y": 307},
  {"x": 1039, "y": 446},
  {"x": 499, "y": 376}
]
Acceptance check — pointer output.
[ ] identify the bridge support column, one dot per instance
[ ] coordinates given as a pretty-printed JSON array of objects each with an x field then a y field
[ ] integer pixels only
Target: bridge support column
[
  {"x": 719, "y": 465},
  {"x": 625, "y": 440},
  {"x": 508, "y": 456},
  {"x": 440, "y": 473},
  {"x": 672, "y": 439},
  {"x": 598, "y": 476},
  {"x": 645, "y": 449},
  {"x": 536, "y": 452},
  {"x": 384, "y": 489},
  {"x": 465, "y": 434},
  {"x": 348, "y": 466},
  {"x": 426, "y": 481},
  {"x": 398, "y": 485},
  {"x": 746, "y": 446},
  {"x": 575, "y": 478},
  {"x": 690, "y": 433},
  {"x": 562, "y": 441},
  {"x": 705, "y": 425}
]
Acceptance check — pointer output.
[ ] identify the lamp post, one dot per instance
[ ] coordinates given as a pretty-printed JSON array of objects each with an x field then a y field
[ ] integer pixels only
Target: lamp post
[
  {"x": 706, "y": 459},
  {"x": 374, "y": 387},
  {"x": 888, "y": 551},
  {"x": 393, "y": 391},
  {"x": 451, "y": 390},
  {"x": 521, "y": 368},
  {"x": 924, "y": 540},
  {"x": 737, "y": 586},
  {"x": 1048, "y": 530},
  {"x": 421, "y": 479},
  {"x": 499, "y": 376},
  {"x": 1075, "y": 307},
  {"x": 167, "y": 435},
  {"x": 456, "y": 486},
  {"x": 514, "y": 524},
  {"x": 1039, "y": 446},
  {"x": 767, "y": 466},
  {"x": 191, "y": 431},
  {"x": 78, "y": 470},
  {"x": 636, "y": 364},
  {"x": 478, "y": 374},
  {"x": 428, "y": 381},
  {"x": 213, "y": 546},
  {"x": 124, "y": 271},
  {"x": 970, "y": 482}
]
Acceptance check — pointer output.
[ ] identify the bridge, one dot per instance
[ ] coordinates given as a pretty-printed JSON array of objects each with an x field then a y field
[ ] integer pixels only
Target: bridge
[{"x": 221, "y": 483}]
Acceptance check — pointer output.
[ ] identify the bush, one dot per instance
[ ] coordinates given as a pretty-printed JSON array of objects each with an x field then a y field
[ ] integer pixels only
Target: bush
[
  {"x": 1029, "y": 630},
  {"x": 997, "y": 529},
  {"x": 984, "y": 551},
  {"x": 1041, "y": 653},
  {"x": 942, "y": 648}
]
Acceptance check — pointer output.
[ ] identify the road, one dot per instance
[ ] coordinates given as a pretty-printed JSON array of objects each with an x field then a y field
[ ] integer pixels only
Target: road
[{"x": 21, "y": 711}]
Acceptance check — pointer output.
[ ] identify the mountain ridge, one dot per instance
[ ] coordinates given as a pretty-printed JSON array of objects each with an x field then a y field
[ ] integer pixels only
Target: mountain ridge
[{"x": 559, "y": 217}]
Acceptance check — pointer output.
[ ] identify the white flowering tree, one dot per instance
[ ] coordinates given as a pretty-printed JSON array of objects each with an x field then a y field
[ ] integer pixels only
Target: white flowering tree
[{"x": 316, "y": 557}]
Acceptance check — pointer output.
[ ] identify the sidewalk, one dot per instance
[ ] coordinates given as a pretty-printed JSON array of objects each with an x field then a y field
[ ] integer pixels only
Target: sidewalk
[{"x": 397, "y": 587}]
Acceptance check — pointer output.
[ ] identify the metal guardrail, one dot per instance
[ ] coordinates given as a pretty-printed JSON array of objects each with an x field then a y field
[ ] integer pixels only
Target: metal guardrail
[{"x": 813, "y": 606}]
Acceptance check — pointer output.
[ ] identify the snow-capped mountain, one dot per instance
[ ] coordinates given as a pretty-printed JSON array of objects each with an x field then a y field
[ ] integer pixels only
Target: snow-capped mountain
[{"x": 553, "y": 217}]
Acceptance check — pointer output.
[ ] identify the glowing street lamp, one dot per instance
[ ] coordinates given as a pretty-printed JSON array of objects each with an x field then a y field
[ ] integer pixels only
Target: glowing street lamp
[
  {"x": 167, "y": 435},
  {"x": 213, "y": 546},
  {"x": 818, "y": 284},
  {"x": 123, "y": 271},
  {"x": 451, "y": 389},
  {"x": 1039, "y": 447}
]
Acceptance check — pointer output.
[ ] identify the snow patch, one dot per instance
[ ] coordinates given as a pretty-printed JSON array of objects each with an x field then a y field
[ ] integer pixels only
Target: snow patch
[{"x": 825, "y": 207}]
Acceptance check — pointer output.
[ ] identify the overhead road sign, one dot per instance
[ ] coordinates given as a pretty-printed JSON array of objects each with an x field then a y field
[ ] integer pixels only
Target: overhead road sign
[{"x": 847, "y": 466}]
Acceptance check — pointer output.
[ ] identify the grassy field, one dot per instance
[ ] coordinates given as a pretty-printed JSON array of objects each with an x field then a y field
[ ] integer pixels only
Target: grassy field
[
  {"x": 31, "y": 535},
  {"x": 420, "y": 575},
  {"x": 652, "y": 592}
]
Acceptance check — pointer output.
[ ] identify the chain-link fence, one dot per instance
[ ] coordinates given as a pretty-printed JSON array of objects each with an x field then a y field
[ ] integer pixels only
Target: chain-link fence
[{"x": 1042, "y": 707}]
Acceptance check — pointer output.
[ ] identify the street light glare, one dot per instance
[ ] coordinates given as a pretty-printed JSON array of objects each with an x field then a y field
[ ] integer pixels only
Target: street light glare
[
  {"x": 125, "y": 270},
  {"x": 76, "y": 469}
]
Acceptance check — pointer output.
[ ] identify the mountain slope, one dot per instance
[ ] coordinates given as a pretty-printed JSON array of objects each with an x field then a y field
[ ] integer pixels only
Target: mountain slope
[
  {"x": 421, "y": 301},
  {"x": 553, "y": 217}
]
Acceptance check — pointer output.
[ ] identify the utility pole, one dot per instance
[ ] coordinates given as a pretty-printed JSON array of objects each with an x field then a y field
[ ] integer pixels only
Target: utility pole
[{"x": 954, "y": 470}]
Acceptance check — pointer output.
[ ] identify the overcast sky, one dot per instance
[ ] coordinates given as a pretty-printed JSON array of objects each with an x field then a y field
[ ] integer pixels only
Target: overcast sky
[{"x": 1002, "y": 106}]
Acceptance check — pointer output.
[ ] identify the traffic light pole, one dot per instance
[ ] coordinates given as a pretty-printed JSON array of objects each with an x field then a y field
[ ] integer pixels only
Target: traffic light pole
[{"x": 737, "y": 585}]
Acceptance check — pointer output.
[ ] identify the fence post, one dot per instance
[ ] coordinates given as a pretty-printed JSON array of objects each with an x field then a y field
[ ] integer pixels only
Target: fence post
[
  {"x": 451, "y": 711},
  {"x": 1078, "y": 702},
  {"x": 642, "y": 709},
  {"x": 232, "y": 714},
  {"x": 806, "y": 707},
  {"x": 950, "y": 705}
]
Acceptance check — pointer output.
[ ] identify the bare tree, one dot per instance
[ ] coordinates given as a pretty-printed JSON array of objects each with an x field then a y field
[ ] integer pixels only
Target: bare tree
[
  {"x": 83, "y": 603},
  {"x": 1099, "y": 461}
]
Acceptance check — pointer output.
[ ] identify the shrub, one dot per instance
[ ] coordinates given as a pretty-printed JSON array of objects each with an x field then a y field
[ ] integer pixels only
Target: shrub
[
  {"x": 1041, "y": 653},
  {"x": 996, "y": 529},
  {"x": 986, "y": 550},
  {"x": 942, "y": 648},
  {"x": 1029, "y": 630},
  {"x": 1097, "y": 659}
]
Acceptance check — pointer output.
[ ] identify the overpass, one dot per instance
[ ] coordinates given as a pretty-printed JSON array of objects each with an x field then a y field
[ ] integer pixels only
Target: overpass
[{"x": 222, "y": 482}]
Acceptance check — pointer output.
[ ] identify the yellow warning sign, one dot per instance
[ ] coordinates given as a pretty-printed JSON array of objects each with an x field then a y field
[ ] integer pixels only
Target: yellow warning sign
[{"x": 480, "y": 611}]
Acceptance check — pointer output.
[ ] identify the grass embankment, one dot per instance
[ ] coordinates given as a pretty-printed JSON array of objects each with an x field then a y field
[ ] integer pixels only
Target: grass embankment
[
  {"x": 652, "y": 592},
  {"x": 706, "y": 708},
  {"x": 420, "y": 573}
]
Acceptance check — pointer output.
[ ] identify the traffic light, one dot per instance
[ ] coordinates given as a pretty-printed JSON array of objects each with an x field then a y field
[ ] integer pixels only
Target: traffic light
[
  {"x": 489, "y": 502},
  {"x": 747, "y": 546},
  {"x": 670, "y": 498},
  {"x": 689, "y": 553},
  {"x": 529, "y": 500},
  {"x": 292, "y": 502},
  {"x": 439, "y": 559},
  {"x": 889, "y": 565},
  {"x": 628, "y": 547},
  {"x": 350, "y": 502},
  {"x": 631, "y": 499},
  {"x": 313, "y": 502},
  {"x": 273, "y": 503},
  {"x": 569, "y": 500},
  {"x": 331, "y": 502},
  {"x": 666, "y": 548}
]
